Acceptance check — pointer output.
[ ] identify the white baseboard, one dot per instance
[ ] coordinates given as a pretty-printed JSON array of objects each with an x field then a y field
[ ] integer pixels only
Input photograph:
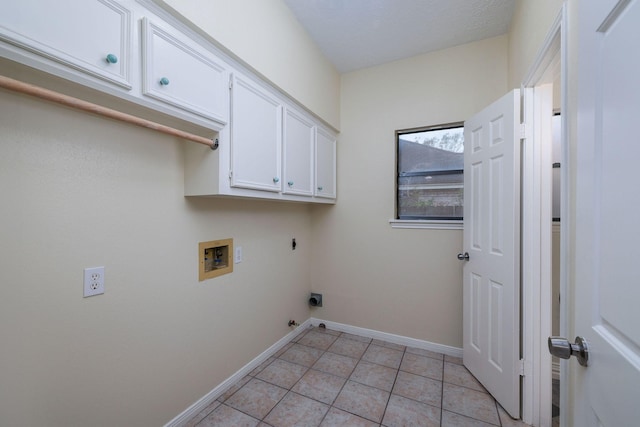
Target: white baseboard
[
  {"x": 207, "y": 399},
  {"x": 210, "y": 397},
  {"x": 385, "y": 336}
]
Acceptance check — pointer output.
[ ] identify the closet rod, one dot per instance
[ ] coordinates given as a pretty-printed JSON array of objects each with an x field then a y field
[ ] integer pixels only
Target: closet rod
[{"x": 69, "y": 101}]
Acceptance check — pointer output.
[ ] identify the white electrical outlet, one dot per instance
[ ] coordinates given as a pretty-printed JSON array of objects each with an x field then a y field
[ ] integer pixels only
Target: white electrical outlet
[
  {"x": 238, "y": 257},
  {"x": 93, "y": 281}
]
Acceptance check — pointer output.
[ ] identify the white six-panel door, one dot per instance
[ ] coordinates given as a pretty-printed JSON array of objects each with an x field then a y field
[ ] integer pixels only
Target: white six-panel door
[
  {"x": 491, "y": 237},
  {"x": 606, "y": 292}
]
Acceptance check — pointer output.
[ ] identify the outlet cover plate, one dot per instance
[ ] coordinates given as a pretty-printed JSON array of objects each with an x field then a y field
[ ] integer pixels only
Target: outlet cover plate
[{"x": 93, "y": 281}]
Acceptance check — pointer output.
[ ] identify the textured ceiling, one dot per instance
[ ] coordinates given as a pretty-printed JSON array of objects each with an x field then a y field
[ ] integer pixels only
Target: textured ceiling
[{"x": 356, "y": 34}]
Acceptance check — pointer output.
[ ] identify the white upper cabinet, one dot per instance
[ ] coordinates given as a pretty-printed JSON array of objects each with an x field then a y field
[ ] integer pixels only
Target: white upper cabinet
[
  {"x": 299, "y": 140},
  {"x": 271, "y": 149},
  {"x": 256, "y": 137},
  {"x": 325, "y": 165},
  {"x": 269, "y": 146},
  {"x": 176, "y": 71},
  {"x": 91, "y": 36}
]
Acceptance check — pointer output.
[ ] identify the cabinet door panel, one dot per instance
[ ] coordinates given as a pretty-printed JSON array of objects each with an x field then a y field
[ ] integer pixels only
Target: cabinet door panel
[
  {"x": 180, "y": 75},
  {"x": 299, "y": 136},
  {"x": 256, "y": 137},
  {"x": 92, "y": 36},
  {"x": 325, "y": 185}
]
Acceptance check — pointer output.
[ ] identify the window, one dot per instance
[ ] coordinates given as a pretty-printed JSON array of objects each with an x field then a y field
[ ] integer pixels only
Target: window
[{"x": 430, "y": 163}]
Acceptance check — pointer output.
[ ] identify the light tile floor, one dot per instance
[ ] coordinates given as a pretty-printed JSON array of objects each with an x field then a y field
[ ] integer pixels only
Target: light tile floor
[{"x": 328, "y": 378}]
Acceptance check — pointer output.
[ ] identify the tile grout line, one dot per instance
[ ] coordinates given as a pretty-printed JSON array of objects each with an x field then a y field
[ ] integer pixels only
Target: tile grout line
[
  {"x": 347, "y": 379},
  {"x": 393, "y": 385},
  {"x": 311, "y": 367},
  {"x": 298, "y": 338},
  {"x": 267, "y": 382},
  {"x": 341, "y": 388},
  {"x": 360, "y": 359},
  {"x": 442, "y": 394},
  {"x": 229, "y": 406}
]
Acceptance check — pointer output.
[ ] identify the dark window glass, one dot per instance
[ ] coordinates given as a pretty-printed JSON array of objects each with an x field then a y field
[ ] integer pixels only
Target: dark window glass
[{"x": 430, "y": 173}]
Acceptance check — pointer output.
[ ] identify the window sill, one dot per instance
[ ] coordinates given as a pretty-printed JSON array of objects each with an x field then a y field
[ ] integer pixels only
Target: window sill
[{"x": 427, "y": 224}]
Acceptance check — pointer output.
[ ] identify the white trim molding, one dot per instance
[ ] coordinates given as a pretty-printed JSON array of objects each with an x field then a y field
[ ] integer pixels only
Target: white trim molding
[
  {"x": 392, "y": 338},
  {"x": 427, "y": 224},
  {"x": 537, "y": 223}
]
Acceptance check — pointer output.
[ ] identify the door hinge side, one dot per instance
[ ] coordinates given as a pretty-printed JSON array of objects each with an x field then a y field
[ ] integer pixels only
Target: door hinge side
[
  {"x": 523, "y": 131},
  {"x": 521, "y": 368},
  {"x": 230, "y": 174},
  {"x": 230, "y": 81}
]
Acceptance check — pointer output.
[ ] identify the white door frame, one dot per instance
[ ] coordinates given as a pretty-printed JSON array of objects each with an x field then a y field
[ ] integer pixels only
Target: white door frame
[{"x": 536, "y": 228}]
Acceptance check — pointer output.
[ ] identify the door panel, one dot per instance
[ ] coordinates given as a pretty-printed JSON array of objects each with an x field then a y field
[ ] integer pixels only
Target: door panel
[
  {"x": 76, "y": 33},
  {"x": 475, "y": 223},
  {"x": 496, "y": 205},
  {"x": 256, "y": 137},
  {"x": 184, "y": 65},
  {"x": 325, "y": 182},
  {"x": 606, "y": 282},
  {"x": 491, "y": 236},
  {"x": 299, "y": 142}
]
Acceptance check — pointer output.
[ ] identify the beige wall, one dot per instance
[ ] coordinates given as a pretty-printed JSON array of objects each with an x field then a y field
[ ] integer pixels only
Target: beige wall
[
  {"x": 406, "y": 282},
  {"x": 80, "y": 191},
  {"x": 266, "y": 34},
  {"x": 530, "y": 25}
]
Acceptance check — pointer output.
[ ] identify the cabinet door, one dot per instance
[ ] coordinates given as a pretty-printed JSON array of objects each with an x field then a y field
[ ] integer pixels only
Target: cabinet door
[
  {"x": 176, "y": 72},
  {"x": 299, "y": 136},
  {"x": 256, "y": 137},
  {"x": 325, "y": 165},
  {"x": 92, "y": 36}
]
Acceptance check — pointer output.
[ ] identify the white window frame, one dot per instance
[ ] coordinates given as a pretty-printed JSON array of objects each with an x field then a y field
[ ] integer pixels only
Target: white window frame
[{"x": 433, "y": 224}]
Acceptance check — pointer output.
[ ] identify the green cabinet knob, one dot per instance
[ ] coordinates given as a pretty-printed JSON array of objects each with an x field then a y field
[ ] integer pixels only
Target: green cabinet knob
[
  {"x": 112, "y": 59},
  {"x": 164, "y": 81},
  {"x": 290, "y": 183},
  {"x": 276, "y": 179},
  {"x": 319, "y": 188}
]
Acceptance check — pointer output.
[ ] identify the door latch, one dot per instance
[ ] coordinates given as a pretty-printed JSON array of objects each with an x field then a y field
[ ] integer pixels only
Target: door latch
[{"x": 464, "y": 256}]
